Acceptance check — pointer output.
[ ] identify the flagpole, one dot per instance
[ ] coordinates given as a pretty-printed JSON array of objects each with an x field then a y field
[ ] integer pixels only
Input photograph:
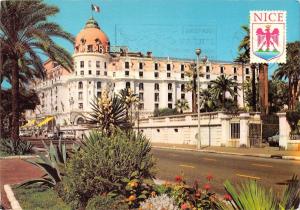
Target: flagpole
[{"x": 91, "y": 7}]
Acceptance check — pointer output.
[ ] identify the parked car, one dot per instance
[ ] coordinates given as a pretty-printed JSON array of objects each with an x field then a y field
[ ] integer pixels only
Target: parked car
[
  {"x": 68, "y": 135},
  {"x": 52, "y": 135},
  {"x": 274, "y": 140},
  {"x": 25, "y": 134}
]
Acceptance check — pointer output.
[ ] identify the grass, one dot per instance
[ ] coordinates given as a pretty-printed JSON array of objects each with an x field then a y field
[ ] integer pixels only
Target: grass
[{"x": 39, "y": 198}]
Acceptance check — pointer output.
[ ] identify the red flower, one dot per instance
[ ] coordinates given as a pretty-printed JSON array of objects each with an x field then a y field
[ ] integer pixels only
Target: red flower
[
  {"x": 184, "y": 206},
  {"x": 207, "y": 186},
  {"x": 209, "y": 177},
  {"x": 178, "y": 178},
  {"x": 227, "y": 197}
]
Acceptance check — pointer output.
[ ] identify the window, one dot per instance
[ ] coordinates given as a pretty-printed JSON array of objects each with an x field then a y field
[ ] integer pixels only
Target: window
[
  {"x": 222, "y": 70},
  {"x": 207, "y": 76},
  {"x": 182, "y": 96},
  {"x": 182, "y": 88},
  {"x": 141, "y": 106},
  {"x": 81, "y": 72},
  {"x": 182, "y": 67},
  {"x": 80, "y": 85},
  {"x": 209, "y": 86},
  {"x": 90, "y": 63},
  {"x": 234, "y": 70},
  {"x": 98, "y": 85},
  {"x": 176, "y": 130},
  {"x": 247, "y": 78},
  {"x": 156, "y": 66},
  {"x": 79, "y": 95},
  {"x": 156, "y": 86},
  {"x": 105, "y": 65},
  {"x": 247, "y": 70},
  {"x": 105, "y": 73},
  {"x": 98, "y": 94},
  {"x": 141, "y": 74},
  {"x": 140, "y": 65},
  {"x": 90, "y": 72},
  {"x": 156, "y": 97},
  {"x": 141, "y": 96},
  {"x": 207, "y": 69},
  {"x": 235, "y": 89},
  {"x": 126, "y": 73},
  {"x": 235, "y": 98},
  {"x": 126, "y": 65},
  {"x": 127, "y": 85},
  {"x": 168, "y": 74},
  {"x": 81, "y": 64},
  {"x": 141, "y": 86},
  {"x": 170, "y": 106},
  {"x": 235, "y": 130},
  {"x": 170, "y": 98},
  {"x": 182, "y": 76},
  {"x": 235, "y": 77},
  {"x": 156, "y": 74},
  {"x": 97, "y": 72},
  {"x": 168, "y": 67},
  {"x": 80, "y": 105},
  {"x": 169, "y": 86},
  {"x": 97, "y": 64},
  {"x": 156, "y": 106},
  {"x": 90, "y": 48}
]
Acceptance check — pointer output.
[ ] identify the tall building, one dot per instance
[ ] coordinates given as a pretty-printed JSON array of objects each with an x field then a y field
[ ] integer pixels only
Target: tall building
[{"x": 158, "y": 81}]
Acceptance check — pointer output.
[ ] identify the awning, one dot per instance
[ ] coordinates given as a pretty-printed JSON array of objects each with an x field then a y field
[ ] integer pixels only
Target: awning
[
  {"x": 45, "y": 121},
  {"x": 29, "y": 123}
]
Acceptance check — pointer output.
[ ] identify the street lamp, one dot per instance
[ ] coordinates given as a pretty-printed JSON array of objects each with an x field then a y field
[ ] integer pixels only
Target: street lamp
[{"x": 198, "y": 52}]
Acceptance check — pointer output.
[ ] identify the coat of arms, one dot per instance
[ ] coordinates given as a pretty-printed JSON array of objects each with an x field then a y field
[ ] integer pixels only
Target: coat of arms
[{"x": 267, "y": 37}]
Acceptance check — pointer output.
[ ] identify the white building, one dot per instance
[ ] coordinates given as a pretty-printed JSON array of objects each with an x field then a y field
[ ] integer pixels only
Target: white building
[{"x": 159, "y": 82}]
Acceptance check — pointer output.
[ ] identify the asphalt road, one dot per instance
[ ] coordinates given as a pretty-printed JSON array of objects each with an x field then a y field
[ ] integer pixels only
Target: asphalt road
[{"x": 273, "y": 173}]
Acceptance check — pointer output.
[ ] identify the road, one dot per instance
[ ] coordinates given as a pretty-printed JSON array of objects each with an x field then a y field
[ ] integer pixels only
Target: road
[{"x": 273, "y": 173}]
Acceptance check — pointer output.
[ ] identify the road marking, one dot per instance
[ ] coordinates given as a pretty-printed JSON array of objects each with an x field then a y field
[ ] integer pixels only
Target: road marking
[
  {"x": 187, "y": 166},
  {"x": 262, "y": 165},
  {"x": 210, "y": 159},
  {"x": 251, "y": 177}
]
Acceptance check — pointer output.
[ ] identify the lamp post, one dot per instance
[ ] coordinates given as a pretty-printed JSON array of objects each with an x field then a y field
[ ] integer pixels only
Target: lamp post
[{"x": 198, "y": 52}]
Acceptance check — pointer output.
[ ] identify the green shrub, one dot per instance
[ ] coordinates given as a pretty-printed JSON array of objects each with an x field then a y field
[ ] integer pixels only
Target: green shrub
[
  {"x": 293, "y": 117},
  {"x": 164, "y": 112},
  {"x": 104, "y": 162},
  {"x": 105, "y": 202},
  {"x": 18, "y": 147}
]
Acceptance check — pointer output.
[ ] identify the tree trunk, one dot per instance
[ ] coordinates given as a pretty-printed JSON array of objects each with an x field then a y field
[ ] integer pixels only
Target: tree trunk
[
  {"x": 15, "y": 102},
  {"x": 294, "y": 95},
  {"x": 243, "y": 89},
  {"x": 290, "y": 93},
  {"x": 263, "y": 88},
  {"x": 1, "y": 108},
  {"x": 253, "y": 88},
  {"x": 194, "y": 96}
]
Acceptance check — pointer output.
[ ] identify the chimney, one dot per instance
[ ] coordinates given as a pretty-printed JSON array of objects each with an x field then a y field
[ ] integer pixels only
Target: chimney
[{"x": 149, "y": 54}]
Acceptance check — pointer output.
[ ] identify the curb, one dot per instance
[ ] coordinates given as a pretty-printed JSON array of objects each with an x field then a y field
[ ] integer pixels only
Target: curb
[
  {"x": 232, "y": 153},
  {"x": 19, "y": 157},
  {"x": 11, "y": 197}
]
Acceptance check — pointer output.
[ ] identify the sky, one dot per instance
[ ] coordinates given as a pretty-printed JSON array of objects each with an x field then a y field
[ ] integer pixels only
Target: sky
[{"x": 174, "y": 28}]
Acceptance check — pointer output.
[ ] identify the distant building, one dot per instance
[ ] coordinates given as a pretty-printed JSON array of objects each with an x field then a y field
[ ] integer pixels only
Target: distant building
[{"x": 158, "y": 81}]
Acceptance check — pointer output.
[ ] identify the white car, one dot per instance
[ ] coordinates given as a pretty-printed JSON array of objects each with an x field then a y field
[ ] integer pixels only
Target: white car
[{"x": 68, "y": 135}]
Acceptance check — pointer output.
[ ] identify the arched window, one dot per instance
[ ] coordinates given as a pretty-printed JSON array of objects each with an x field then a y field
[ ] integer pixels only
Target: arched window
[
  {"x": 141, "y": 86},
  {"x": 80, "y": 85},
  {"x": 169, "y": 86},
  {"x": 127, "y": 85},
  {"x": 156, "y": 86},
  {"x": 80, "y": 120},
  {"x": 182, "y": 88}
]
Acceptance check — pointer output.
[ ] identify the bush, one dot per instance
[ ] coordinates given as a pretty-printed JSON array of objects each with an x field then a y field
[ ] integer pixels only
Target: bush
[
  {"x": 104, "y": 162},
  {"x": 105, "y": 202},
  {"x": 164, "y": 112},
  {"x": 161, "y": 202},
  {"x": 18, "y": 147},
  {"x": 293, "y": 117}
]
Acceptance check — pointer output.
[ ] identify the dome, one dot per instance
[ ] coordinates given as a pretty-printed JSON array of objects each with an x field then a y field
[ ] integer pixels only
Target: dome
[{"x": 91, "y": 39}]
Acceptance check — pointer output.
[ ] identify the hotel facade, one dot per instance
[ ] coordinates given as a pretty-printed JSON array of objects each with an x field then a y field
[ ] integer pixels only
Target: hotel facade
[{"x": 98, "y": 66}]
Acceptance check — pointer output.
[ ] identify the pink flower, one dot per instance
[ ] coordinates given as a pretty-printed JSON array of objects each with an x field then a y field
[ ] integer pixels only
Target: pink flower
[
  {"x": 178, "y": 178},
  {"x": 184, "y": 206},
  {"x": 209, "y": 177},
  {"x": 207, "y": 187},
  {"x": 227, "y": 197}
]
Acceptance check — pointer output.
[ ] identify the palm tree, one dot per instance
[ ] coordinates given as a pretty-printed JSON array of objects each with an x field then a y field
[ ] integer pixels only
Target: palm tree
[
  {"x": 26, "y": 34},
  {"x": 181, "y": 105},
  {"x": 221, "y": 86},
  {"x": 129, "y": 99},
  {"x": 206, "y": 100},
  {"x": 192, "y": 85},
  {"x": 290, "y": 71}
]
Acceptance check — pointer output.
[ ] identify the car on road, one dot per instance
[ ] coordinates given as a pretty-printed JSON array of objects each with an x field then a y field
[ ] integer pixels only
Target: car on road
[
  {"x": 274, "y": 140},
  {"x": 68, "y": 135},
  {"x": 52, "y": 135}
]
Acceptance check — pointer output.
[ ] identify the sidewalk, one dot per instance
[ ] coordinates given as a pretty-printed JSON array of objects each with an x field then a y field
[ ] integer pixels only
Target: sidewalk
[{"x": 266, "y": 152}]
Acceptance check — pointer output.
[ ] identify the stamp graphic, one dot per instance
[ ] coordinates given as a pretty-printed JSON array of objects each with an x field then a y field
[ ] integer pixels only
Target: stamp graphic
[{"x": 267, "y": 36}]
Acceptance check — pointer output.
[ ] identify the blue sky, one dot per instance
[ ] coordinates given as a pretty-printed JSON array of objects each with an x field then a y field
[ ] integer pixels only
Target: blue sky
[{"x": 174, "y": 27}]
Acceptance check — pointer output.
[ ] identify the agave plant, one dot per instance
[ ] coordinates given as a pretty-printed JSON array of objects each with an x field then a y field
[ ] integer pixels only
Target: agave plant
[
  {"x": 53, "y": 164},
  {"x": 18, "y": 147},
  {"x": 250, "y": 195}
]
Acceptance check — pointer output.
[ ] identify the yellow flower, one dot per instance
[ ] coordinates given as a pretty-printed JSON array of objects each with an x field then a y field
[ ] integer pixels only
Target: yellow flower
[{"x": 132, "y": 198}]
